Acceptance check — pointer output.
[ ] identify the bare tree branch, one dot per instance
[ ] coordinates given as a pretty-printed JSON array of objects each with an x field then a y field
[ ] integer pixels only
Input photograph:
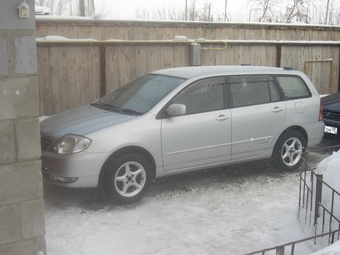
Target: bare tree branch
[
  {"x": 297, "y": 11},
  {"x": 262, "y": 10}
]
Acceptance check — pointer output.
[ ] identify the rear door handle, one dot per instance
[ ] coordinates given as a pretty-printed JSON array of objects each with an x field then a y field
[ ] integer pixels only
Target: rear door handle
[{"x": 222, "y": 118}]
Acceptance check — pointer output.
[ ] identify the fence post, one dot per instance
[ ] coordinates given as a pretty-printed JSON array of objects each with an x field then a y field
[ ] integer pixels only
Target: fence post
[
  {"x": 278, "y": 55},
  {"x": 280, "y": 250},
  {"x": 318, "y": 196},
  {"x": 102, "y": 70}
]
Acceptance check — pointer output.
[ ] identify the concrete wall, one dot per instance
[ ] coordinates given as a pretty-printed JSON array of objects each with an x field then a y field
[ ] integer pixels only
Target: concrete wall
[{"x": 22, "y": 226}]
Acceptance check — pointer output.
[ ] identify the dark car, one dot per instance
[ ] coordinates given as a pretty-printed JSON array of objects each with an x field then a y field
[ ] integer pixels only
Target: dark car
[{"x": 331, "y": 114}]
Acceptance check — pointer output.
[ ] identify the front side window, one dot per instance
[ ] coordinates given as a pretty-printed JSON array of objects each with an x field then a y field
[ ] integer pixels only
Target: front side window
[
  {"x": 293, "y": 87},
  {"x": 139, "y": 95},
  {"x": 203, "y": 96},
  {"x": 252, "y": 90}
]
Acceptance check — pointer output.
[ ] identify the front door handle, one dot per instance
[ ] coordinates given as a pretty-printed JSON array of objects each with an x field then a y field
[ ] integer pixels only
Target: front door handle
[
  {"x": 222, "y": 118},
  {"x": 277, "y": 109}
]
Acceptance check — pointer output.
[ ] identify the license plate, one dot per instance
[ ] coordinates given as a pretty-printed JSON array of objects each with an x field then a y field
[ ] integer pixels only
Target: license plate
[{"x": 331, "y": 130}]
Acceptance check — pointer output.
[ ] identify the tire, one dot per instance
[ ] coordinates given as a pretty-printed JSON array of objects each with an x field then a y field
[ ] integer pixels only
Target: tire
[
  {"x": 289, "y": 150},
  {"x": 127, "y": 178}
]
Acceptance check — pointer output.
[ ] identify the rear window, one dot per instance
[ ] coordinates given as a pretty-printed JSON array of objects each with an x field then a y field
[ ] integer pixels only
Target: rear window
[
  {"x": 293, "y": 87},
  {"x": 252, "y": 90}
]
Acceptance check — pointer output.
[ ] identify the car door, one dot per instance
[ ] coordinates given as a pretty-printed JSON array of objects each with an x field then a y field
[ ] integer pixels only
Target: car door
[
  {"x": 202, "y": 136},
  {"x": 257, "y": 113}
]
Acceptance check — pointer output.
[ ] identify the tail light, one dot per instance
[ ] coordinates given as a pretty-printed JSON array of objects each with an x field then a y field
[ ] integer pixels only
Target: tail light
[{"x": 320, "y": 111}]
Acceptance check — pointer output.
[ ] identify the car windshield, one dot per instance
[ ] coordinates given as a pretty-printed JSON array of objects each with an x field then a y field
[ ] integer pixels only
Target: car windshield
[{"x": 140, "y": 95}]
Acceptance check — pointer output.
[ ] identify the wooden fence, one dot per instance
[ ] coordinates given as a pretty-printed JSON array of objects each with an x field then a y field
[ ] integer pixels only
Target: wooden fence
[
  {"x": 167, "y": 30},
  {"x": 76, "y": 71}
]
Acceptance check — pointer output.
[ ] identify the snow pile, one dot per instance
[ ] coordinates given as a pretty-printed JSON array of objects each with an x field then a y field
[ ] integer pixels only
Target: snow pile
[
  {"x": 333, "y": 249},
  {"x": 330, "y": 169}
]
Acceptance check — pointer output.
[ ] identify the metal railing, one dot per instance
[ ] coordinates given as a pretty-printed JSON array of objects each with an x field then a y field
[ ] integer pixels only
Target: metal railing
[
  {"x": 311, "y": 189},
  {"x": 280, "y": 249},
  {"x": 310, "y": 201}
]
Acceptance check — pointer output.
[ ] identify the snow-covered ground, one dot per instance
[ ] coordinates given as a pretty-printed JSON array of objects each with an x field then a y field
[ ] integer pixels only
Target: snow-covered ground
[{"x": 234, "y": 210}]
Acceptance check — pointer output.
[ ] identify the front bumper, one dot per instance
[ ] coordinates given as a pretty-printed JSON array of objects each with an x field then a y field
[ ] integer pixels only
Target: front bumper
[{"x": 80, "y": 170}]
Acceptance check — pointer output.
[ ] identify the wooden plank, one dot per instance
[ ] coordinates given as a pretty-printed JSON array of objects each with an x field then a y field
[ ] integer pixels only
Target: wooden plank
[
  {"x": 156, "y": 30},
  {"x": 55, "y": 79}
]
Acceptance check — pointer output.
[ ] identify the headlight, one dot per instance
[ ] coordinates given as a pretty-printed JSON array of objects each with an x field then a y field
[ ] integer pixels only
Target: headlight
[{"x": 69, "y": 144}]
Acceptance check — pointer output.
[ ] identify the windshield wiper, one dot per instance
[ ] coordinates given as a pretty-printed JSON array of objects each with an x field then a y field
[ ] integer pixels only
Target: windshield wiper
[
  {"x": 111, "y": 107},
  {"x": 130, "y": 111},
  {"x": 105, "y": 106}
]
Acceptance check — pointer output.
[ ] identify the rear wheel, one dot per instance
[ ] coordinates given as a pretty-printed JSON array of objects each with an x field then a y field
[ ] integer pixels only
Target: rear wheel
[
  {"x": 288, "y": 151},
  {"x": 127, "y": 178}
]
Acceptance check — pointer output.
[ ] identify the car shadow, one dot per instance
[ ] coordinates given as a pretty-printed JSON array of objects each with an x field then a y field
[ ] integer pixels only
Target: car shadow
[{"x": 94, "y": 199}]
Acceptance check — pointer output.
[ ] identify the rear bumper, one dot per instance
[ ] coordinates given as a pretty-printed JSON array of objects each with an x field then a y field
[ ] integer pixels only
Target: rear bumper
[{"x": 315, "y": 133}]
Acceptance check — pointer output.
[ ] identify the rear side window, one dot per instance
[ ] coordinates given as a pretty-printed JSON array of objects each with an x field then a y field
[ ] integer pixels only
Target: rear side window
[
  {"x": 293, "y": 87},
  {"x": 252, "y": 90}
]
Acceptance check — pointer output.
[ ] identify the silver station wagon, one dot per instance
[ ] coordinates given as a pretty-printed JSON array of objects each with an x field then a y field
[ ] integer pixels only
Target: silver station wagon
[{"x": 182, "y": 119}]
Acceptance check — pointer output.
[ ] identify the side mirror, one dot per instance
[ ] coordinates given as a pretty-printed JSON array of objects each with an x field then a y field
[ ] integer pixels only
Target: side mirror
[{"x": 176, "y": 109}]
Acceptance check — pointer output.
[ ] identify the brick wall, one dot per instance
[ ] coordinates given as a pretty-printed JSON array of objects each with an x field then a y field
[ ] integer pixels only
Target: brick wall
[{"x": 22, "y": 226}]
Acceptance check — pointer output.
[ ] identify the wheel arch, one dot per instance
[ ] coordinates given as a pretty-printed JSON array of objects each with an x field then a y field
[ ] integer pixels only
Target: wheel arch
[
  {"x": 287, "y": 130},
  {"x": 291, "y": 152},
  {"x": 129, "y": 149}
]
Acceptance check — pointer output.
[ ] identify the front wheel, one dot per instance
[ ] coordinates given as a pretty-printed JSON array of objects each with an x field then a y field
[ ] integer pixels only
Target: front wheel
[
  {"x": 127, "y": 178},
  {"x": 288, "y": 151}
]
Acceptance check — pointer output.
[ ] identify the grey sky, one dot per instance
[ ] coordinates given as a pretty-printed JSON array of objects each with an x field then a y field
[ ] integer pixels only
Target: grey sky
[{"x": 126, "y": 9}]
